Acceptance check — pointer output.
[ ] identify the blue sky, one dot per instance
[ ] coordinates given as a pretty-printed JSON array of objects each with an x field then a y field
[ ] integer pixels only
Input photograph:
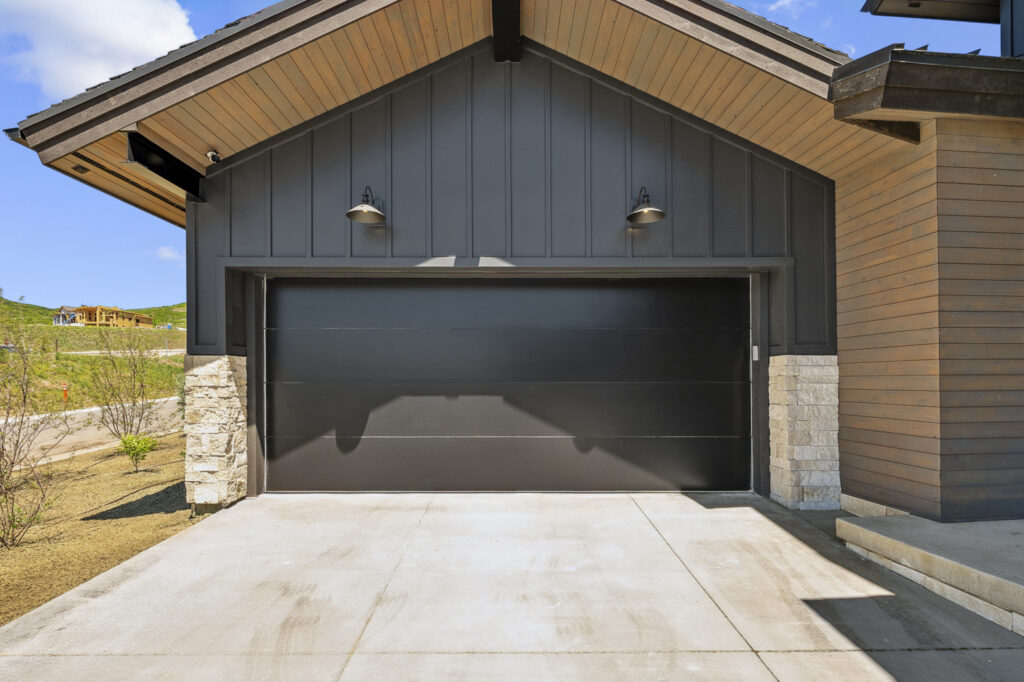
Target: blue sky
[{"x": 62, "y": 242}]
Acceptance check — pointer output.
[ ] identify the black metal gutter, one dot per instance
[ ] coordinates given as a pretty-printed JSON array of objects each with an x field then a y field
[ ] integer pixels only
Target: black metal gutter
[{"x": 14, "y": 135}]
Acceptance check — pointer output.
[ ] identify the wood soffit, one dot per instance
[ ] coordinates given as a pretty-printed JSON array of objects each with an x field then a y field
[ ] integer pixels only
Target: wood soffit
[{"x": 297, "y": 60}]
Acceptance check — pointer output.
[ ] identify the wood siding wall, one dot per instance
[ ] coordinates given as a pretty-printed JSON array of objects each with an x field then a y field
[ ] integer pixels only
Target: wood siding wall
[
  {"x": 534, "y": 164},
  {"x": 930, "y": 316},
  {"x": 887, "y": 285},
  {"x": 980, "y": 188}
]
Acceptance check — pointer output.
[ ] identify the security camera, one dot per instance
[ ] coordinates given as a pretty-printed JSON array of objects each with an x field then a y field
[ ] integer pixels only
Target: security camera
[{"x": 213, "y": 156}]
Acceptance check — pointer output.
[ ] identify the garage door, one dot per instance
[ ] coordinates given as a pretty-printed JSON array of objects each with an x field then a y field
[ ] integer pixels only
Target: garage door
[{"x": 523, "y": 384}]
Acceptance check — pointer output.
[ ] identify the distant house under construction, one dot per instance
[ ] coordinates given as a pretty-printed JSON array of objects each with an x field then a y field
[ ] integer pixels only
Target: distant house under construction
[{"x": 99, "y": 316}]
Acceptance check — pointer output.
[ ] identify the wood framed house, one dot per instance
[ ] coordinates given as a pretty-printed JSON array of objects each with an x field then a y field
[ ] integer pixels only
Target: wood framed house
[{"x": 831, "y": 303}]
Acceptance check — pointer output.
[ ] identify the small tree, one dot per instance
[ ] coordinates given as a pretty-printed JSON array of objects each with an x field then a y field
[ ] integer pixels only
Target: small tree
[
  {"x": 26, "y": 490},
  {"x": 137, "y": 447},
  {"x": 119, "y": 385}
]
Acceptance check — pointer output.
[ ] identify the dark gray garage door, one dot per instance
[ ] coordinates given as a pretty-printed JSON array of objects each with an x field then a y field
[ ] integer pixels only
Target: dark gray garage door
[{"x": 524, "y": 384}]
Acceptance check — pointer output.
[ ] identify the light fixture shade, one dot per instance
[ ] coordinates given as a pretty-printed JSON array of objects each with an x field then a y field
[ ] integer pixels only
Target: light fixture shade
[
  {"x": 644, "y": 213},
  {"x": 368, "y": 211}
]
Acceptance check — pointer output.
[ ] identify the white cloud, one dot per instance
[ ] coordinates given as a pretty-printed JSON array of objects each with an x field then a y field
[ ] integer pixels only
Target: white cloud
[
  {"x": 792, "y": 7},
  {"x": 70, "y": 45},
  {"x": 849, "y": 49},
  {"x": 169, "y": 253}
]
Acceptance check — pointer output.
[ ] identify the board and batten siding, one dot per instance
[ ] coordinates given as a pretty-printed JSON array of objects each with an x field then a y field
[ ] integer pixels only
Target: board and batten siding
[
  {"x": 930, "y": 289},
  {"x": 532, "y": 164}
]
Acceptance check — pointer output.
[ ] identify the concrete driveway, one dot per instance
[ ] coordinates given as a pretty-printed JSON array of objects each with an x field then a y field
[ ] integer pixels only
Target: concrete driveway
[{"x": 504, "y": 587}]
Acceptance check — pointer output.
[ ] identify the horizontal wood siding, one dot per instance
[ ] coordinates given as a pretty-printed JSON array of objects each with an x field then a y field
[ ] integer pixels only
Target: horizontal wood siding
[
  {"x": 887, "y": 290},
  {"x": 980, "y": 193},
  {"x": 930, "y": 289}
]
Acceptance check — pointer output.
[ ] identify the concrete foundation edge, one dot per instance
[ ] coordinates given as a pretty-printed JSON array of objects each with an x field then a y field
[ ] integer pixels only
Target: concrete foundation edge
[
  {"x": 929, "y": 573},
  {"x": 858, "y": 506}
]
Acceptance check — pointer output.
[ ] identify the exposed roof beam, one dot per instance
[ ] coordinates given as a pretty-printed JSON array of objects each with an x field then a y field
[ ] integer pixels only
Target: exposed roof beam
[
  {"x": 506, "y": 28},
  {"x": 160, "y": 167}
]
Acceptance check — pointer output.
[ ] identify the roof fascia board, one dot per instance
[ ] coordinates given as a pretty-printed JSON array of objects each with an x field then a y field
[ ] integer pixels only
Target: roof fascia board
[
  {"x": 782, "y": 33},
  {"x": 928, "y": 82},
  {"x": 954, "y": 10},
  {"x": 167, "y": 88},
  {"x": 168, "y": 59},
  {"x": 741, "y": 40}
]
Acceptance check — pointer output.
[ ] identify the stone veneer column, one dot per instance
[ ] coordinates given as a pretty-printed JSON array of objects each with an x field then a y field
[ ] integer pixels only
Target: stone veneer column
[
  {"x": 803, "y": 428},
  {"x": 215, "y": 430}
]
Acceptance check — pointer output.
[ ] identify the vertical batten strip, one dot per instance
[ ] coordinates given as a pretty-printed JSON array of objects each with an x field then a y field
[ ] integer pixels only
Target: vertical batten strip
[
  {"x": 628, "y": 133},
  {"x": 308, "y": 137},
  {"x": 389, "y": 228},
  {"x": 588, "y": 190},
  {"x": 507, "y": 72},
  {"x": 548, "y": 228},
  {"x": 428, "y": 103}
]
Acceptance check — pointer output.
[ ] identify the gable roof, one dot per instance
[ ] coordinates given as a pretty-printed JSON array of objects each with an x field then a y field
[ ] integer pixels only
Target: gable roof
[{"x": 297, "y": 59}]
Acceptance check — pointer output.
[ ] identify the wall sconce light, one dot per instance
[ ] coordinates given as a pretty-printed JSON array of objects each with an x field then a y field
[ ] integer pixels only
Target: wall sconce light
[
  {"x": 644, "y": 213},
  {"x": 369, "y": 211}
]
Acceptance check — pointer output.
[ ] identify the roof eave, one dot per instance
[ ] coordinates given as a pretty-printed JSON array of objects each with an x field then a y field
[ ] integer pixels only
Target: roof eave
[
  {"x": 14, "y": 135},
  {"x": 897, "y": 85},
  {"x": 951, "y": 10},
  {"x": 181, "y": 54}
]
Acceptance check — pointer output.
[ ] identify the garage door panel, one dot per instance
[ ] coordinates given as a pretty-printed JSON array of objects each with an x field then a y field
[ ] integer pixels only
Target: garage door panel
[
  {"x": 508, "y": 464},
  {"x": 429, "y": 384},
  {"x": 508, "y": 355},
  {"x": 508, "y": 409},
  {"x": 507, "y": 304}
]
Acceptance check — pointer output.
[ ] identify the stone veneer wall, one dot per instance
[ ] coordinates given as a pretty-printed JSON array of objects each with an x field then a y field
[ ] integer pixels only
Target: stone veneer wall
[
  {"x": 215, "y": 430},
  {"x": 803, "y": 427}
]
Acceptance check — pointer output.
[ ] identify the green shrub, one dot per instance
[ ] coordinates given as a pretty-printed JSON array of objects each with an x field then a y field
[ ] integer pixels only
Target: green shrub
[{"x": 136, "y": 448}]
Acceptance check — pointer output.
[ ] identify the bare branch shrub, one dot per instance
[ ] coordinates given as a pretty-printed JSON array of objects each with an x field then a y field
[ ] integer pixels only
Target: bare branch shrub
[
  {"x": 119, "y": 384},
  {"x": 26, "y": 489}
]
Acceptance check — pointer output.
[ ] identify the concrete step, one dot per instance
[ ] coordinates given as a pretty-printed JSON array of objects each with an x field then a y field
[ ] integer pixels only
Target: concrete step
[{"x": 978, "y": 565}]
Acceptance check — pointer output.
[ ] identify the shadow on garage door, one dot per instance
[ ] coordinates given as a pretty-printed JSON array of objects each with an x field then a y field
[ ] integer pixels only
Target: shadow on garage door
[{"x": 515, "y": 384}]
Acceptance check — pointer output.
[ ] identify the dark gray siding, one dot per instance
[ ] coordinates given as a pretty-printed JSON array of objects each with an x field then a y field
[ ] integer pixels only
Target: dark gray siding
[{"x": 535, "y": 163}]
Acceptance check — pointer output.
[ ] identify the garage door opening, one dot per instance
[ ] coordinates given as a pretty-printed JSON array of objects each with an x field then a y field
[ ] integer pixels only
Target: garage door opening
[{"x": 507, "y": 385}]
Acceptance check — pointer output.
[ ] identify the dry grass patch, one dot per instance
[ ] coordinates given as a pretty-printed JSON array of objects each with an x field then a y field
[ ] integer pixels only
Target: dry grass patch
[{"x": 104, "y": 515}]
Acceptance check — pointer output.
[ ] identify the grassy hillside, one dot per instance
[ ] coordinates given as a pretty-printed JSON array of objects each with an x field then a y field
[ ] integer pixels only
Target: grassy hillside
[
  {"x": 66, "y": 339},
  {"x": 49, "y": 372},
  {"x": 165, "y": 314},
  {"x": 37, "y": 314},
  {"x": 31, "y": 314}
]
